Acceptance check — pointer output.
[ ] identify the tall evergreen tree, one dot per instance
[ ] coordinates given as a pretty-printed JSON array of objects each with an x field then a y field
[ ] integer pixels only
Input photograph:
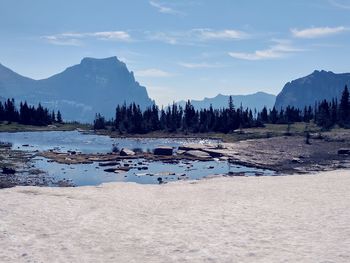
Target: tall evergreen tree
[
  {"x": 59, "y": 117},
  {"x": 344, "y": 108}
]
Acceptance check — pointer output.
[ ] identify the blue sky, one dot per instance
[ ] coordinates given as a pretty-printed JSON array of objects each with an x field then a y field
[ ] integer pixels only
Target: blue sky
[{"x": 181, "y": 49}]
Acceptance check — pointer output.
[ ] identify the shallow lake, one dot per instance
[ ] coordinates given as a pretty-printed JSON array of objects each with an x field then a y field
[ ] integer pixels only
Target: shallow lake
[
  {"x": 142, "y": 171},
  {"x": 64, "y": 141}
]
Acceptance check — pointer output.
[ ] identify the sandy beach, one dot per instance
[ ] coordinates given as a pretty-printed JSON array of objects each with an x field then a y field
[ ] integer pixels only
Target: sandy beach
[{"x": 299, "y": 218}]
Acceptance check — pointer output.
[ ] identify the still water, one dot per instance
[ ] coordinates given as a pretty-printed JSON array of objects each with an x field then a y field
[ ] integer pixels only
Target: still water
[
  {"x": 64, "y": 141},
  {"x": 141, "y": 171}
]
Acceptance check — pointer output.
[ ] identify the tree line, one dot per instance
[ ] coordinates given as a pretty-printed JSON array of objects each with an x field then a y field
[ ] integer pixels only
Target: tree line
[
  {"x": 28, "y": 115},
  {"x": 131, "y": 119}
]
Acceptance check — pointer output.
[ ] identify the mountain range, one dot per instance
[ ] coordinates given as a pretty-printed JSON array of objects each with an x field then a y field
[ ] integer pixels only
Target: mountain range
[
  {"x": 99, "y": 85},
  {"x": 257, "y": 101},
  {"x": 80, "y": 91},
  {"x": 315, "y": 87}
]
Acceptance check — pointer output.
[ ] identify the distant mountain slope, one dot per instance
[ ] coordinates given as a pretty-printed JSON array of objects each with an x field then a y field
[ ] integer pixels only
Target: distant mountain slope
[
  {"x": 80, "y": 91},
  {"x": 254, "y": 101},
  {"x": 317, "y": 86}
]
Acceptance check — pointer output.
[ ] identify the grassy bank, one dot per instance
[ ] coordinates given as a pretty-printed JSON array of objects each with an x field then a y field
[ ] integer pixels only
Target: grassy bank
[
  {"x": 16, "y": 127},
  {"x": 270, "y": 130}
]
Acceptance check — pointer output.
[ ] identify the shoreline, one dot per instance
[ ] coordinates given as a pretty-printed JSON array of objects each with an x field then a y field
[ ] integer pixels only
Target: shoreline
[{"x": 282, "y": 154}]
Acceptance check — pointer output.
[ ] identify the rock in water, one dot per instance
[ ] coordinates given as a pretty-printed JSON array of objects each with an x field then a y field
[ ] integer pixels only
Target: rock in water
[
  {"x": 198, "y": 154},
  {"x": 163, "y": 150},
  {"x": 344, "y": 151},
  {"x": 126, "y": 152},
  {"x": 6, "y": 170}
]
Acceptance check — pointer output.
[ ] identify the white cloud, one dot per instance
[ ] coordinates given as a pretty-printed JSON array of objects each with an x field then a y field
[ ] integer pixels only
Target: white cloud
[
  {"x": 227, "y": 34},
  {"x": 152, "y": 72},
  {"x": 112, "y": 35},
  {"x": 341, "y": 4},
  {"x": 316, "y": 32},
  {"x": 162, "y": 8},
  {"x": 279, "y": 50},
  {"x": 196, "y": 36},
  {"x": 198, "y": 65},
  {"x": 168, "y": 38},
  {"x": 63, "y": 41},
  {"x": 75, "y": 39}
]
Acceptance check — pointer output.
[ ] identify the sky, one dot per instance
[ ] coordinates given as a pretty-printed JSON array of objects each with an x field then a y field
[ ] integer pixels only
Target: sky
[{"x": 181, "y": 49}]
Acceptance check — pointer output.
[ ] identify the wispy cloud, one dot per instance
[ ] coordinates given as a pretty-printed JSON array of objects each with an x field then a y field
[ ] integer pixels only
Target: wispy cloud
[
  {"x": 227, "y": 34},
  {"x": 169, "y": 38},
  {"x": 62, "y": 41},
  {"x": 75, "y": 39},
  {"x": 341, "y": 4},
  {"x": 317, "y": 32},
  {"x": 154, "y": 73},
  {"x": 197, "y": 36},
  {"x": 163, "y": 8},
  {"x": 198, "y": 65},
  {"x": 111, "y": 35},
  {"x": 279, "y": 50}
]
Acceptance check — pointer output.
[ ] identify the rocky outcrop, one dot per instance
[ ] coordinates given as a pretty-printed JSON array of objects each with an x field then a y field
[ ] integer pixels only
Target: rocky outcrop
[
  {"x": 198, "y": 154},
  {"x": 126, "y": 152},
  {"x": 344, "y": 151},
  {"x": 163, "y": 150}
]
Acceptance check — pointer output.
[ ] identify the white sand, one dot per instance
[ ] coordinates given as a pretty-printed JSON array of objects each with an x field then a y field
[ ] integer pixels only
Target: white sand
[{"x": 265, "y": 219}]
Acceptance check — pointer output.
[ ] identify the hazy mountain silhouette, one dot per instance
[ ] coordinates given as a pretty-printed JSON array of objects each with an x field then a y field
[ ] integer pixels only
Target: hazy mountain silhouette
[
  {"x": 254, "y": 101},
  {"x": 80, "y": 91},
  {"x": 317, "y": 86}
]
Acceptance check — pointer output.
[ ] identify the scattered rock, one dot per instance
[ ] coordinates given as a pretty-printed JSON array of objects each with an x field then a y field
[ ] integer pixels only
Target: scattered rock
[
  {"x": 110, "y": 170},
  {"x": 236, "y": 174},
  {"x": 344, "y": 151},
  {"x": 126, "y": 152},
  {"x": 118, "y": 171},
  {"x": 163, "y": 150},
  {"x": 124, "y": 168},
  {"x": 296, "y": 160},
  {"x": 180, "y": 152},
  {"x": 213, "y": 153},
  {"x": 108, "y": 164},
  {"x": 165, "y": 174},
  {"x": 198, "y": 154},
  {"x": 191, "y": 147},
  {"x": 6, "y": 170}
]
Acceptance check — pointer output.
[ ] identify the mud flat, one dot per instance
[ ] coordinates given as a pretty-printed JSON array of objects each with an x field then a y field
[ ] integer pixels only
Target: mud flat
[
  {"x": 15, "y": 168},
  {"x": 284, "y": 154},
  {"x": 290, "y": 154},
  {"x": 300, "y": 218}
]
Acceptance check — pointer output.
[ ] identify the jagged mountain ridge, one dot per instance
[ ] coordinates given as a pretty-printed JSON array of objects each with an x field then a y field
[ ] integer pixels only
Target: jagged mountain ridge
[
  {"x": 80, "y": 91},
  {"x": 315, "y": 87},
  {"x": 257, "y": 101}
]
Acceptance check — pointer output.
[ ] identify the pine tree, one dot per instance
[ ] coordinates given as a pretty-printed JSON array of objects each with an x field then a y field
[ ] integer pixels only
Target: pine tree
[
  {"x": 53, "y": 117},
  {"x": 99, "y": 122},
  {"x": 59, "y": 117},
  {"x": 344, "y": 108}
]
